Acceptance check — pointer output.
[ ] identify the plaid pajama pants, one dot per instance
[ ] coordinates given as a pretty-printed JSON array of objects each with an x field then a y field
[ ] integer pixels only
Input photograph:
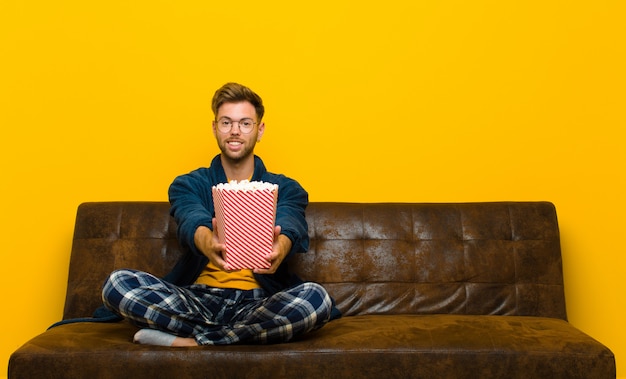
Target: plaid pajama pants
[{"x": 216, "y": 316}]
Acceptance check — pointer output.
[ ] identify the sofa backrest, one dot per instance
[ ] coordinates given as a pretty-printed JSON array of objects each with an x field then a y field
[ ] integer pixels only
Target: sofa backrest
[
  {"x": 374, "y": 258},
  {"x": 113, "y": 235},
  {"x": 465, "y": 258}
]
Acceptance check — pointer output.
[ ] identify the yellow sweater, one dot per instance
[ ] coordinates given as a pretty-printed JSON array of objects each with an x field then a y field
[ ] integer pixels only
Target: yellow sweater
[{"x": 214, "y": 277}]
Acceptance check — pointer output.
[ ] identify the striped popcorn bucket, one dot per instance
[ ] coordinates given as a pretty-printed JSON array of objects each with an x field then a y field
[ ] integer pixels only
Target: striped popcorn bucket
[{"x": 245, "y": 223}]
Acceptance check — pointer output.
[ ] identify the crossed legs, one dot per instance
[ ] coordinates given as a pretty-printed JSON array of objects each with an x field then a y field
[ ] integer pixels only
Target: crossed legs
[{"x": 201, "y": 315}]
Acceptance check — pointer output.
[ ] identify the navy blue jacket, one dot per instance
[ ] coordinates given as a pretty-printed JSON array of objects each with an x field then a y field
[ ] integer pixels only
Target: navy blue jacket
[{"x": 192, "y": 206}]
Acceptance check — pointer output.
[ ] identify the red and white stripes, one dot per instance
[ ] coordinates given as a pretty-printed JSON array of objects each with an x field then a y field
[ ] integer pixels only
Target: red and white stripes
[{"x": 245, "y": 224}]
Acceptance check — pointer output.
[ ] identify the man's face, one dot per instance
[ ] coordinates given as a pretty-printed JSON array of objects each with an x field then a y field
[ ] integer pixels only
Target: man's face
[{"x": 236, "y": 145}]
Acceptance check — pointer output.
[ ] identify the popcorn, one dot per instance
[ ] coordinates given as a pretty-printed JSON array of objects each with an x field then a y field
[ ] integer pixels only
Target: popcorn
[
  {"x": 245, "y": 213},
  {"x": 246, "y": 185}
]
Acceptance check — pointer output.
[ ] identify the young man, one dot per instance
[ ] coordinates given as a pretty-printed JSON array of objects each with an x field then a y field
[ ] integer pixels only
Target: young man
[{"x": 199, "y": 302}]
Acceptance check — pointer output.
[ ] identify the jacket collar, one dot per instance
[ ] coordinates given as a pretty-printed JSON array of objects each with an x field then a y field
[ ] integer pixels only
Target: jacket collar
[{"x": 218, "y": 175}]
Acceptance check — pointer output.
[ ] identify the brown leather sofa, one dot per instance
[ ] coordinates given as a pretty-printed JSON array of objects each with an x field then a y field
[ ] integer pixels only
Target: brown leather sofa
[{"x": 471, "y": 290}]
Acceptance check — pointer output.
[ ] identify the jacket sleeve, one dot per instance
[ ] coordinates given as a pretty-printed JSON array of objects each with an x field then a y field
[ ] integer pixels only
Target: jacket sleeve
[
  {"x": 191, "y": 206},
  {"x": 290, "y": 213}
]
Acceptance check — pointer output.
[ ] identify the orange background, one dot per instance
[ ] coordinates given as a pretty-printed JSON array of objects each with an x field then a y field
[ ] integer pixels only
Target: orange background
[{"x": 439, "y": 101}]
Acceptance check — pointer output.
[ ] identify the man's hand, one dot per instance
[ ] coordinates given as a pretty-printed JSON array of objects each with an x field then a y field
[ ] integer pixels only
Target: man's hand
[
  {"x": 282, "y": 246},
  {"x": 208, "y": 243}
]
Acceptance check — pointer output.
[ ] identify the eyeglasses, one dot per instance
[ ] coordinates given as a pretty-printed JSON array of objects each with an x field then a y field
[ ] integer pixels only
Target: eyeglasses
[{"x": 224, "y": 125}]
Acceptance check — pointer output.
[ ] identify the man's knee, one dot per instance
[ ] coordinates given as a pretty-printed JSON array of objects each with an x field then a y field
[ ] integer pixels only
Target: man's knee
[
  {"x": 319, "y": 299},
  {"x": 118, "y": 283}
]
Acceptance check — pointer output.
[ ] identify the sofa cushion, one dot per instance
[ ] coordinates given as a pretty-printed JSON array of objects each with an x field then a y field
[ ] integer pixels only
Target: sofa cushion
[{"x": 368, "y": 346}]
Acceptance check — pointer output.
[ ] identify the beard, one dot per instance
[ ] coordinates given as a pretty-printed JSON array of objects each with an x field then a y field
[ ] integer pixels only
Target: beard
[{"x": 237, "y": 157}]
